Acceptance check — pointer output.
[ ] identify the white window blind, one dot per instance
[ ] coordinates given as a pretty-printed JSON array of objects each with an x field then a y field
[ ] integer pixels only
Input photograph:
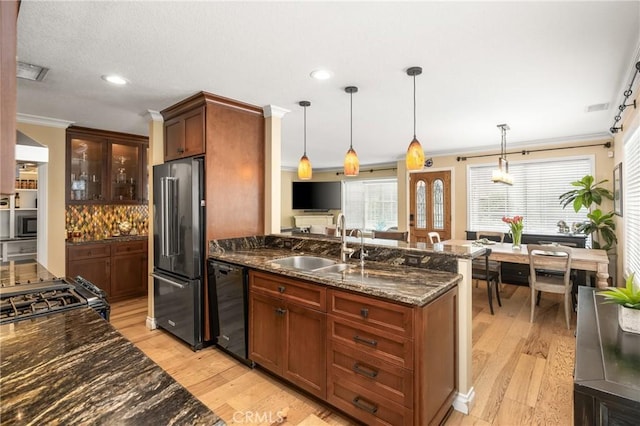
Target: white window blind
[
  {"x": 371, "y": 204},
  {"x": 534, "y": 195},
  {"x": 631, "y": 203}
]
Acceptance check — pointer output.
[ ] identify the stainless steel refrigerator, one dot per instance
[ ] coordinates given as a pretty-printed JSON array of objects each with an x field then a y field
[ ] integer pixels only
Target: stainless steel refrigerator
[{"x": 178, "y": 247}]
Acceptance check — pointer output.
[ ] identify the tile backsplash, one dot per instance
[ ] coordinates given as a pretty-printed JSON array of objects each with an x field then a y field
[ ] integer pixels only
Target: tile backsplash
[{"x": 97, "y": 221}]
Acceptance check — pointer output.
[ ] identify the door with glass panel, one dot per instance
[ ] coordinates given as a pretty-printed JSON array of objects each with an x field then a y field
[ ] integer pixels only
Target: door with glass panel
[{"x": 430, "y": 205}]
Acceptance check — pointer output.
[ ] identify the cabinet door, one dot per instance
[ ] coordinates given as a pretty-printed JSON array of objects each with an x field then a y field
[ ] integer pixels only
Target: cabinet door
[
  {"x": 97, "y": 270},
  {"x": 173, "y": 138},
  {"x": 86, "y": 171},
  {"x": 194, "y": 132},
  {"x": 125, "y": 174},
  {"x": 305, "y": 349},
  {"x": 266, "y": 318},
  {"x": 128, "y": 276}
]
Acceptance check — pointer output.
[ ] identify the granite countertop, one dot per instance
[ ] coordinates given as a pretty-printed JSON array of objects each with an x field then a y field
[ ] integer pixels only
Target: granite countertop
[
  {"x": 75, "y": 368},
  {"x": 410, "y": 285},
  {"x": 117, "y": 239},
  {"x": 23, "y": 271}
]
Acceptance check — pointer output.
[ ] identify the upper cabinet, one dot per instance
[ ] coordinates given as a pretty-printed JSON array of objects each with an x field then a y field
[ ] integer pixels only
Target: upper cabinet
[
  {"x": 105, "y": 167},
  {"x": 184, "y": 135}
]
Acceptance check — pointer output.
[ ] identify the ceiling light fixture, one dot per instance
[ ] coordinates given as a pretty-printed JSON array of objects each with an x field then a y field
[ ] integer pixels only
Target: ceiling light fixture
[
  {"x": 351, "y": 162},
  {"x": 415, "y": 153},
  {"x": 114, "y": 79},
  {"x": 501, "y": 174},
  {"x": 304, "y": 166},
  {"x": 30, "y": 71},
  {"x": 321, "y": 74}
]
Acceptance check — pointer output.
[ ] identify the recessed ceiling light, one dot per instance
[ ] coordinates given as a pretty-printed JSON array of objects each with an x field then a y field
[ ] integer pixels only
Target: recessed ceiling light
[
  {"x": 114, "y": 79},
  {"x": 30, "y": 71},
  {"x": 321, "y": 74}
]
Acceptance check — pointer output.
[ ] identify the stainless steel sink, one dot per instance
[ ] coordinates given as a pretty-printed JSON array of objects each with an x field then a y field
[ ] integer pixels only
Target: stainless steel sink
[
  {"x": 304, "y": 263},
  {"x": 338, "y": 267}
]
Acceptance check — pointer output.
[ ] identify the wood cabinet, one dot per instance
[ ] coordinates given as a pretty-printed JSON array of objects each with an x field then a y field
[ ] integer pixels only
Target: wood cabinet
[
  {"x": 382, "y": 362},
  {"x": 105, "y": 167},
  {"x": 184, "y": 135},
  {"x": 8, "y": 87},
  {"x": 231, "y": 136},
  {"x": 118, "y": 268},
  {"x": 287, "y": 323}
]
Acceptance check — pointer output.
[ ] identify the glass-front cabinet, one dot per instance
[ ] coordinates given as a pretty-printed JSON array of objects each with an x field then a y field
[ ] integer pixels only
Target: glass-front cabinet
[{"x": 105, "y": 167}]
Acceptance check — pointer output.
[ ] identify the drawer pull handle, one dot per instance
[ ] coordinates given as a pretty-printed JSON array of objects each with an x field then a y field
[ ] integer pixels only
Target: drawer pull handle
[
  {"x": 364, "y": 312},
  {"x": 281, "y": 288},
  {"x": 281, "y": 311},
  {"x": 362, "y": 404},
  {"x": 369, "y": 342},
  {"x": 364, "y": 371}
]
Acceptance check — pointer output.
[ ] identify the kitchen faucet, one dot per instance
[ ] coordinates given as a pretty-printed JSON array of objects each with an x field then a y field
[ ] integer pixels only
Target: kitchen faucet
[
  {"x": 344, "y": 250},
  {"x": 363, "y": 252}
]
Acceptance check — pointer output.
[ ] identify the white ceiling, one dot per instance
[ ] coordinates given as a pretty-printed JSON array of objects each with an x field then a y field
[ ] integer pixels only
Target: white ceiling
[{"x": 533, "y": 65}]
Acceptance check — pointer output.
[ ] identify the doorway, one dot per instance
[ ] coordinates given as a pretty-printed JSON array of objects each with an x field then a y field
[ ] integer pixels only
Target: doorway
[{"x": 430, "y": 205}]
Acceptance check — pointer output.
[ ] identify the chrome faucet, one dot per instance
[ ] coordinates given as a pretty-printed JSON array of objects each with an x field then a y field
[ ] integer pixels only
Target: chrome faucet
[
  {"x": 344, "y": 250},
  {"x": 363, "y": 252}
]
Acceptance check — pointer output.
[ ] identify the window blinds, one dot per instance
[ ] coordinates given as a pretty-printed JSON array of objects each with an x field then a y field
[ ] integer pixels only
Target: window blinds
[
  {"x": 371, "y": 204},
  {"x": 631, "y": 200},
  {"x": 534, "y": 195}
]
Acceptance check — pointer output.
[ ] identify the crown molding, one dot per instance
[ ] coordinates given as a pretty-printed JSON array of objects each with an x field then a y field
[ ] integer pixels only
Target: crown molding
[
  {"x": 43, "y": 121},
  {"x": 274, "y": 111},
  {"x": 154, "y": 115}
]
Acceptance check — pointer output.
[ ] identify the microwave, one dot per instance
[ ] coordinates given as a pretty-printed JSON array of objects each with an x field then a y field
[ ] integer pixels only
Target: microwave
[{"x": 26, "y": 226}]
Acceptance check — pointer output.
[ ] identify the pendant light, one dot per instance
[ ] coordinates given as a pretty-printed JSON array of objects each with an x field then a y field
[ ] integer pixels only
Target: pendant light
[
  {"x": 304, "y": 166},
  {"x": 501, "y": 174},
  {"x": 351, "y": 162},
  {"x": 415, "y": 153}
]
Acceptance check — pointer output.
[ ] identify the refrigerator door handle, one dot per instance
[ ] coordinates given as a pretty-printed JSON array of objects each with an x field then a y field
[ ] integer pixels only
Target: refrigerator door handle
[
  {"x": 169, "y": 226},
  {"x": 165, "y": 280}
]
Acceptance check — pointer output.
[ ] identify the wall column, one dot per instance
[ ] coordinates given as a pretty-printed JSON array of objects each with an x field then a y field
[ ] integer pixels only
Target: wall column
[
  {"x": 272, "y": 167},
  {"x": 154, "y": 156}
]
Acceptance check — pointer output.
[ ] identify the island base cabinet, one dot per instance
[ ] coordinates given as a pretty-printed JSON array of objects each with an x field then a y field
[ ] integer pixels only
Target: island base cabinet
[{"x": 265, "y": 331}]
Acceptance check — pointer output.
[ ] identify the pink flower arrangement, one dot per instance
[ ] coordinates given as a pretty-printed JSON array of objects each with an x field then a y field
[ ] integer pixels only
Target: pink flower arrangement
[{"x": 515, "y": 226}]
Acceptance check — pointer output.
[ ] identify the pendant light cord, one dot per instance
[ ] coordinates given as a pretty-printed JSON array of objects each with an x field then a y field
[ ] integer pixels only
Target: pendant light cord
[
  {"x": 351, "y": 121},
  {"x": 305, "y": 131},
  {"x": 414, "y": 106}
]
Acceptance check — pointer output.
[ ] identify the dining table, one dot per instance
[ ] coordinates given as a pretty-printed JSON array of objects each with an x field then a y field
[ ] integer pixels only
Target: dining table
[{"x": 594, "y": 260}]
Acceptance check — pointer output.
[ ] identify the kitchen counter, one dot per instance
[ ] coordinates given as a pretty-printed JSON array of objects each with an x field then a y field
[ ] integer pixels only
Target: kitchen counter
[
  {"x": 74, "y": 367},
  {"x": 21, "y": 271},
  {"x": 386, "y": 279},
  {"x": 117, "y": 239}
]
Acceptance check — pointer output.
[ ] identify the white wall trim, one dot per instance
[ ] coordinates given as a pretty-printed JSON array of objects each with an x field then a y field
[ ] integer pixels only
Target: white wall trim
[
  {"x": 151, "y": 323},
  {"x": 274, "y": 111},
  {"x": 464, "y": 402},
  {"x": 154, "y": 115},
  {"x": 43, "y": 121}
]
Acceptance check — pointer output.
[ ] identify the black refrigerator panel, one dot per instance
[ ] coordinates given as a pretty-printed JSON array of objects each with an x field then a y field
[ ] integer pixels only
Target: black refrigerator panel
[
  {"x": 178, "y": 213},
  {"x": 178, "y": 307},
  {"x": 228, "y": 296}
]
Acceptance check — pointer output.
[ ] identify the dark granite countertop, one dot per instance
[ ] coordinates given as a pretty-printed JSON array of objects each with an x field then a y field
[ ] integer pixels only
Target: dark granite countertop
[
  {"x": 75, "y": 368},
  {"x": 118, "y": 239},
  {"x": 21, "y": 271},
  {"x": 388, "y": 280}
]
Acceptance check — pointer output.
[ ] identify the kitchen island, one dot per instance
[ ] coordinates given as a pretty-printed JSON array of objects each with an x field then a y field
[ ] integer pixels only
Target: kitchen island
[{"x": 73, "y": 367}]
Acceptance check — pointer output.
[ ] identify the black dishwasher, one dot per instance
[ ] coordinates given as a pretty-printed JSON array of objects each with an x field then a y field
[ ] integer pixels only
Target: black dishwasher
[{"x": 228, "y": 297}]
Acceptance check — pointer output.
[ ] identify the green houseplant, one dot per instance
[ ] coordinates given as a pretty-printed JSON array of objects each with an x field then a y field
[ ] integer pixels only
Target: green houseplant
[
  {"x": 602, "y": 225},
  {"x": 628, "y": 300}
]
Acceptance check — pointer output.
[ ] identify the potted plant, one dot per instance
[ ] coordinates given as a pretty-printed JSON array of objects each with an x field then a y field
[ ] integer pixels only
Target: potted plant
[
  {"x": 628, "y": 300},
  {"x": 598, "y": 223}
]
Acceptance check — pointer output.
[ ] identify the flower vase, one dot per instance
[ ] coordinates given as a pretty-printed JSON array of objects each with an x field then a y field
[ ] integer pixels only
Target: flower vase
[{"x": 517, "y": 237}]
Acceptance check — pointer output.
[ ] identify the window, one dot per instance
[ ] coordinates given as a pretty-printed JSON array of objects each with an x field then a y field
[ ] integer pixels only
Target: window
[
  {"x": 371, "y": 204},
  {"x": 631, "y": 200},
  {"x": 534, "y": 195}
]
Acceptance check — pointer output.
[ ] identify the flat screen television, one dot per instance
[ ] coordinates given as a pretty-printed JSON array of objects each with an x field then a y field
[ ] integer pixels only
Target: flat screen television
[{"x": 316, "y": 196}]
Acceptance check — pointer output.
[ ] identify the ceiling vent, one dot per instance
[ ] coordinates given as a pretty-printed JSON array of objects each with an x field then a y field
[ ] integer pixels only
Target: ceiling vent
[
  {"x": 31, "y": 72},
  {"x": 597, "y": 107}
]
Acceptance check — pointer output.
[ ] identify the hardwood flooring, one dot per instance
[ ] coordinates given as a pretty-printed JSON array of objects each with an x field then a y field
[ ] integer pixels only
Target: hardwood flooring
[{"x": 522, "y": 371}]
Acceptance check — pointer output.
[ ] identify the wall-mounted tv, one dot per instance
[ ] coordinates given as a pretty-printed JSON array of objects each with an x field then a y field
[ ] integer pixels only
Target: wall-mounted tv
[{"x": 316, "y": 196}]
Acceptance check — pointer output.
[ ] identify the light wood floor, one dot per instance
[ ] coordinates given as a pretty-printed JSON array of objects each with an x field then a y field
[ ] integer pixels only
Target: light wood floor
[{"x": 522, "y": 372}]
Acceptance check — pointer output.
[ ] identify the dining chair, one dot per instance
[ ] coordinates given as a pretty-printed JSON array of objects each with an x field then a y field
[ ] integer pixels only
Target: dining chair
[
  {"x": 494, "y": 265},
  {"x": 434, "y": 237},
  {"x": 481, "y": 271},
  {"x": 550, "y": 271},
  {"x": 392, "y": 235}
]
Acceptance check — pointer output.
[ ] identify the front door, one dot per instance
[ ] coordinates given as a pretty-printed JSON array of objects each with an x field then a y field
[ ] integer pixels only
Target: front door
[{"x": 430, "y": 205}]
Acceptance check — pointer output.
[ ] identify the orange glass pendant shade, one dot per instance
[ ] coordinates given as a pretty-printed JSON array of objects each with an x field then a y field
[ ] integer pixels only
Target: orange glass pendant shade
[
  {"x": 305, "y": 170},
  {"x": 351, "y": 163},
  {"x": 415, "y": 156}
]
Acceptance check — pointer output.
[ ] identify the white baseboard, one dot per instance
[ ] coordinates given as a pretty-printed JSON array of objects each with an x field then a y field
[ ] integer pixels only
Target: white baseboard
[
  {"x": 151, "y": 323},
  {"x": 464, "y": 402}
]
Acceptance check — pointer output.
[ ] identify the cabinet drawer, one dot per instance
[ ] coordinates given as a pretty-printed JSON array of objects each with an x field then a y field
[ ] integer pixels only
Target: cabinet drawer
[
  {"x": 365, "y": 405},
  {"x": 386, "y": 346},
  {"x": 130, "y": 247},
  {"x": 387, "y": 380},
  {"x": 301, "y": 293},
  {"x": 392, "y": 317},
  {"x": 89, "y": 251}
]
